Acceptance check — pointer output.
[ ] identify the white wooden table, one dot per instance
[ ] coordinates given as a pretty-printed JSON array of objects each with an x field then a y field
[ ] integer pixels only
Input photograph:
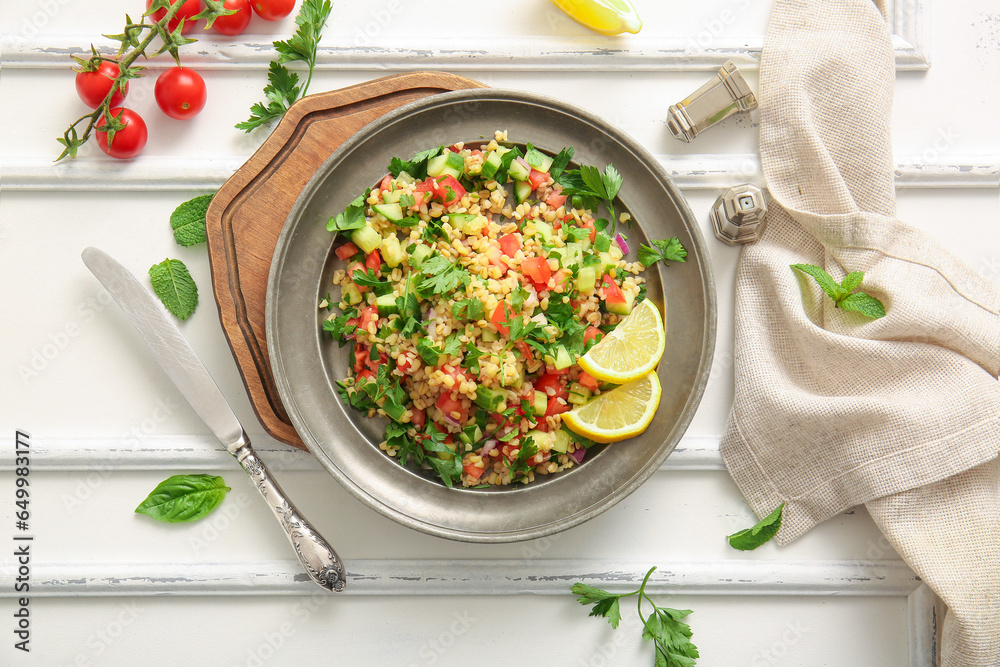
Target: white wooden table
[{"x": 108, "y": 587}]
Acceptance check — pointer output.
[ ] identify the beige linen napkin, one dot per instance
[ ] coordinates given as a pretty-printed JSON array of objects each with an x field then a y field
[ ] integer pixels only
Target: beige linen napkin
[{"x": 831, "y": 409}]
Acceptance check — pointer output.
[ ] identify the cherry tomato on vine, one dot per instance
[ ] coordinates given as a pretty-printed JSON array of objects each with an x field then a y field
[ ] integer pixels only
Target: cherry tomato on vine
[
  {"x": 180, "y": 92},
  {"x": 128, "y": 141},
  {"x": 272, "y": 10},
  {"x": 234, "y": 24},
  {"x": 93, "y": 86},
  {"x": 187, "y": 10}
]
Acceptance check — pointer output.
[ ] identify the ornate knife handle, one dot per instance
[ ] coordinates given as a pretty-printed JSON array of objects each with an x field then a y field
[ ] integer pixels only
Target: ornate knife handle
[{"x": 320, "y": 560}]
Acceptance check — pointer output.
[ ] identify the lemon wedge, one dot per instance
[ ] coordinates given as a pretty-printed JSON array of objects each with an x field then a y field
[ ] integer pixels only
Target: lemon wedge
[
  {"x": 631, "y": 350},
  {"x": 610, "y": 17},
  {"x": 617, "y": 414}
]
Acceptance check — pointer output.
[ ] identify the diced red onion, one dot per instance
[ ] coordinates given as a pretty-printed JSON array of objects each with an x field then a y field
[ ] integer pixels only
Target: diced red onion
[
  {"x": 578, "y": 454},
  {"x": 524, "y": 163},
  {"x": 488, "y": 447},
  {"x": 620, "y": 240}
]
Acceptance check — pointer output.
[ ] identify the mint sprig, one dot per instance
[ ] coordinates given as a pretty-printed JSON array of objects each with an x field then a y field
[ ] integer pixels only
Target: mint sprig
[
  {"x": 843, "y": 294},
  {"x": 670, "y": 635},
  {"x": 749, "y": 539},
  {"x": 173, "y": 284}
]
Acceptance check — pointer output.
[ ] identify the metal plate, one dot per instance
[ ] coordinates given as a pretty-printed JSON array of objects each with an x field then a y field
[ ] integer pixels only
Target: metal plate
[{"x": 306, "y": 365}]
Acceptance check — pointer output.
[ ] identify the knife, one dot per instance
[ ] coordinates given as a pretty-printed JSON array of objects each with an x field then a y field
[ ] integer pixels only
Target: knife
[{"x": 188, "y": 373}]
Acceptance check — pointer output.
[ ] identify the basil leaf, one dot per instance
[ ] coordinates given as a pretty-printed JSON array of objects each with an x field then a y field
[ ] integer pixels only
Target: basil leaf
[{"x": 184, "y": 498}]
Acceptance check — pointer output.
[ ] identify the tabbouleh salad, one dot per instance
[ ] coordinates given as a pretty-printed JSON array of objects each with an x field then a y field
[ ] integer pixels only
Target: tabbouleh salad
[{"x": 466, "y": 306}]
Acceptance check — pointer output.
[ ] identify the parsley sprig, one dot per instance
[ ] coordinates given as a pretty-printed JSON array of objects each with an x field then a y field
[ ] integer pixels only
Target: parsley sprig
[
  {"x": 282, "y": 87},
  {"x": 843, "y": 294},
  {"x": 591, "y": 186},
  {"x": 671, "y": 636},
  {"x": 665, "y": 250}
]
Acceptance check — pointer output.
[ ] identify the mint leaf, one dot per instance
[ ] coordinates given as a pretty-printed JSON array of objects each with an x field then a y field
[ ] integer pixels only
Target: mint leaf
[
  {"x": 188, "y": 220},
  {"x": 175, "y": 287},
  {"x": 865, "y": 304},
  {"x": 852, "y": 280},
  {"x": 184, "y": 498},
  {"x": 751, "y": 538},
  {"x": 823, "y": 279}
]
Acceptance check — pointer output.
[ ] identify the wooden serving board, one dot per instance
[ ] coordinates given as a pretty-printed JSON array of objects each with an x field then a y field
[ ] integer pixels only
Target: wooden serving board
[{"x": 247, "y": 214}]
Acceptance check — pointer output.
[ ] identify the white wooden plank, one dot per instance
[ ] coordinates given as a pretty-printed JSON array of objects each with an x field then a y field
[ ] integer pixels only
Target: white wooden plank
[
  {"x": 170, "y": 452},
  {"x": 692, "y": 172},
  {"x": 476, "y": 577}
]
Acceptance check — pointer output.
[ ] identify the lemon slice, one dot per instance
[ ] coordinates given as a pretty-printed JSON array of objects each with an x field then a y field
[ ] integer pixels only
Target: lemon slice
[
  {"x": 631, "y": 350},
  {"x": 610, "y": 17},
  {"x": 621, "y": 413}
]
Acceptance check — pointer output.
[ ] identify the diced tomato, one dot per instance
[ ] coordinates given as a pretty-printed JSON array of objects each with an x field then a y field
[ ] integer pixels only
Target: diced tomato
[
  {"x": 539, "y": 457},
  {"x": 495, "y": 256},
  {"x": 589, "y": 224},
  {"x": 346, "y": 251},
  {"x": 364, "y": 377},
  {"x": 473, "y": 471},
  {"x": 557, "y": 371},
  {"x": 612, "y": 293},
  {"x": 537, "y": 268},
  {"x": 501, "y": 316},
  {"x": 524, "y": 349},
  {"x": 360, "y": 357},
  {"x": 556, "y": 406},
  {"x": 448, "y": 405},
  {"x": 553, "y": 385},
  {"x": 537, "y": 178},
  {"x": 374, "y": 360},
  {"x": 352, "y": 322},
  {"x": 562, "y": 277},
  {"x": 509, "y": 244},
  {"x": 386, "y": 182},
  {"x": 457, "y": 374},
  {"x": 418, "y": 417},
  {"x": 476, "y": 152},
  {"x": 592, "y": 332},
  {"x": 357, "y": 266},
  {"x": 508, "y": 451},
  {"x": 587, "y": 381},
  {"x": 454, "y": 148},
  {"x": 423, "y": 191},
  {"x": 449, "y": 190},
  {"x": 374, "y": 261},
  {"x": 556, "y": 199},
  {"x": 403, "y": 363},
  {"x": 369, "y": 314}
]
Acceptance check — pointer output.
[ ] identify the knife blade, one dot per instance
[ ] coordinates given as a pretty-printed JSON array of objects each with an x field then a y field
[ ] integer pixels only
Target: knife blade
[{"x": 182, "y": 365}]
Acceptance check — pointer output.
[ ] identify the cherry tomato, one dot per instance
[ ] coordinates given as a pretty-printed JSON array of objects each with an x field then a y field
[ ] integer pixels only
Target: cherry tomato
[
  {"x": 93, "y": 86},
  {"x": 128, "y": 141},
  {"x": 272, "y": 10},
  {"x": 187, "y": 11},
  {"x": 180, "y": 92},
  {"x": 234, "y": 24}
]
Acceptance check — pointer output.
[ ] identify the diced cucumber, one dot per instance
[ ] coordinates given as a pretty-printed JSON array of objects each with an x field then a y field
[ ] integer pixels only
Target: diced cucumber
[
  {"x": 602, "y": 242},
  {"x": 522, "y": 190},
  {"x": 350, "y": 294},
  {"x": 572, "y": 255},
  {"x": 607, "y": 263},
  {"x": 540, "y": 438},
  {"x": 487, "y": 398},
  {"x": 492, "y": 162},
  {"x": 392, "y": 252},
  {"x": 471, "y": 434},
  {"x": 624, "y": 307},
  {"x": 445, "y": 456},
  {"x": 441, "y": 165},
  {"x": 404, "y": 178},
  {"x": 563, "y": 358},
  {"x": 543, "y": 230},
  {"x": 541, "y": 402},
  {"x": 586, "y": 279},
  {"x": 488, "y": 335},
  {"x": 518, "y": 171},
  {"x": 386, "y": 305},
  {"x": 419, "y": 255},
  {"x": 455, "y": 161},
  {"x": 578, "y": 394},
  {"x": 391, "y": 212},
  {"x": 538, "y": 160},
  {"x": 467, "y": 223},
  {"x": 392, "y": 196},
  {"x": 615, "y": 252},
  {"x": 561, "y": 443},
  {"x": 366, "y": 238}
]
